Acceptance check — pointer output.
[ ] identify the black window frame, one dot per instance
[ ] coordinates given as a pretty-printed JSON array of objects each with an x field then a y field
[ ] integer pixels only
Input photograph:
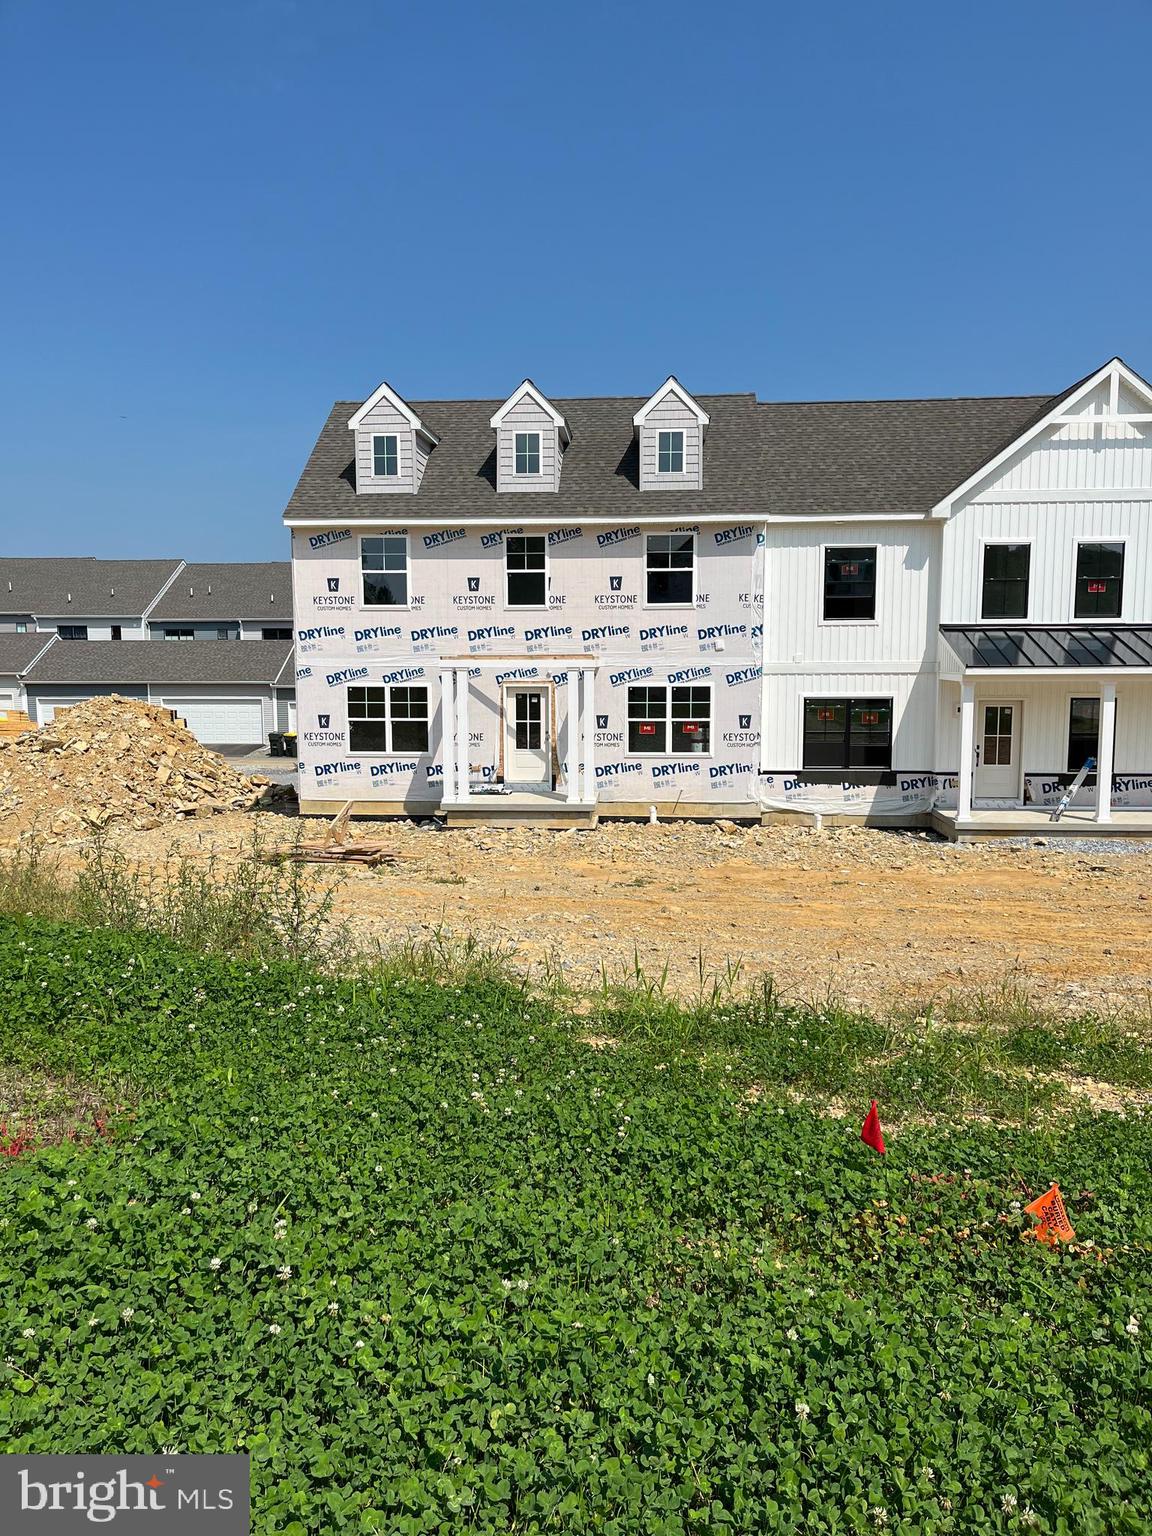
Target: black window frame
[
  {"x": 72, "y": 631},
  {"x": 1083, "y": 606},
  {"x": 672, "y": 452},
  {"x": 274, "y": 632},
  {"x": 399, "y": 574},
  {"x": 178, "y": 632},
  {"x": 516, "y": 545},
  {"x": 527, "y": 453},
  {"x": 1004, "y": 584},
  {"x": 1080, "y": 739},
  {"x": 676, "y": 719},
  {"x": 655, "y": 575},
  {"x": 385, "y": 706},
  {"x": 850, "y": 746},
  {"x": 386, "y": 455},
  {"x": 850, "y": 597}
]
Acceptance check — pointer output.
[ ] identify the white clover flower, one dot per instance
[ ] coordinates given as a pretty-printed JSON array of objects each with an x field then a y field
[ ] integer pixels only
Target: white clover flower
[
  {"x": 91, "y": 1222},
  {"x": 802, "y": 1411},
  {"x": 215, "y": 1264},
  {"x": 274, "y": 1328},
  {"x": 127, "y": 1314},
  {"x": 879, "y": 1515},
  {"x": 195, "y": 1195},
  {"x": 71, "y": 1183},
  {"x": 285, "y": 1272},
  {"x": 507, "y": 1284},
  {"x": 333, "y": 1308},
  {"x": 93, "y": 1322},
  {"x": 1008, "y": 1503},
  {"x": 792, "y": 1334},
  {"x": 359, "y": 1344},
  {"x": 1132, "y": 1326},
  {"x": 521, "y": 1285},
  {"x": 379, "y": 1168},
  {"x": 651, "y": 1379},
  {"x": 1028, "y": 1516},
  {"x": 28, "y": 1333}
]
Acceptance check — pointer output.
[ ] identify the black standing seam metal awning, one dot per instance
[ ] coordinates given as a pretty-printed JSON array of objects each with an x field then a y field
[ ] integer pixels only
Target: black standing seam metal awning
[{"x": 1050, "y": 646}]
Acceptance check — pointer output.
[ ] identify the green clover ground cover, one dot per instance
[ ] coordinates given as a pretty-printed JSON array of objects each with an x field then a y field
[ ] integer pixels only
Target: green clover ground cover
[{"x": 437, "y": 1266}]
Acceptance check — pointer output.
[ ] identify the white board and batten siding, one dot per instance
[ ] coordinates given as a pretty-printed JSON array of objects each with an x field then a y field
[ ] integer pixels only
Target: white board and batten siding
[
  {"x": 527, "y": 416},
  {"x": 671, "y": 414}
]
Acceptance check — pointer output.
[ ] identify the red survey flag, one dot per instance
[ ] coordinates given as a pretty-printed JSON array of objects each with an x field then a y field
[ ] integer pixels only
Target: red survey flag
[{"x": 870, "y": 1132}]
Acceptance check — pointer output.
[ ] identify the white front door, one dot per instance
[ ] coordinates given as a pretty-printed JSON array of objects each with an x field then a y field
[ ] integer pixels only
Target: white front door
[
  {"x": 527, "y": 748},
  {"x": 996, "y": 775}
]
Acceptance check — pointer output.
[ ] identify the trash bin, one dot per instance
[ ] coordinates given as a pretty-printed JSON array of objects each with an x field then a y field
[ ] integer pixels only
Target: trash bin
[
  {"x": 276, "y": 744},
  {"x": 289, "y": 743}
]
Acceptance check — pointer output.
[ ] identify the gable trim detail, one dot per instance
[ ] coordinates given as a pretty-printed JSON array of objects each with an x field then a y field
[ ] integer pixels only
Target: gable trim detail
[
  {"x": 528, "y": 391},
  {"x": 671, "y": 385},
  {"x": 385, "y": 392}
]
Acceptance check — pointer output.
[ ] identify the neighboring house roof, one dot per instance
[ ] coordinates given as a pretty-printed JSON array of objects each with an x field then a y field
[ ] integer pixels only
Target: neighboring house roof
[
  {"x": 601, "y": 467},
  {"x": 162, "y": 661},
  {"x": 97, "y": 588},
  {"x": 1051, "y": 645},
  {"x": 232, "y": 590},
  {"x": 18, "y": 652},
  {"x": 833, "y": 457}
]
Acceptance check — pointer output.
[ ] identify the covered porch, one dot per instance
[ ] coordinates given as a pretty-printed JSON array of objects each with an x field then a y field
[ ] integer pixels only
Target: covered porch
[
  {"x": 1054, "y": 731},
  {"x": 542, "y": 767}
]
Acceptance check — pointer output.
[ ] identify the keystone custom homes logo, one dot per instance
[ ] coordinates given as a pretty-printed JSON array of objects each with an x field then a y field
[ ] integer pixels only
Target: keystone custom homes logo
[
  {"x": 322, "y": 540},
  {"x": 333, "y": 598},
  {"x": 69, "y": 1494}
]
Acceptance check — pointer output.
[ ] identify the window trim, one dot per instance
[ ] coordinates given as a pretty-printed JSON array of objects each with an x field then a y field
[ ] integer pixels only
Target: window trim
[
  {"x": 667, "y": 753},
  {"x": 60, "y": 628},
  {"x": 689, "y": 607},
  {"x": 1122, "y": 540},
  {"x": 672, "y": 474},
  {"x": 849, "y": 699},
  {"x": 528, "y": 474},
  {"x": 1090, "y": 781},
  {"x": 390, "y": 751},
  {"x": 383, "y": 437},
  {"x": 511, "y": 607},
  {"x": 384, "y": 533},
  {"x": 823, "y": 578},
  {"x": 996, "y": 544}
]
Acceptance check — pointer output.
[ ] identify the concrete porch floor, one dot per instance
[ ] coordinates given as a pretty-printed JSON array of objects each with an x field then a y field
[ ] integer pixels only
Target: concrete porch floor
[
  {"x": 1027, "y": 821},
  {"x": 518, "y": 808}
]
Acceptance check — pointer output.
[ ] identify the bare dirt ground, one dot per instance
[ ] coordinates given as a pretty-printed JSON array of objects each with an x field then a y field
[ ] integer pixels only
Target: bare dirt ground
[{"x": 870, "y": 916}]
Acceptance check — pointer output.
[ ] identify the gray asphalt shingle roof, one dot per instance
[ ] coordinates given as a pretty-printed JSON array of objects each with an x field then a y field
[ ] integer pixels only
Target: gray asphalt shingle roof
[
  {"x": 17, "y": 652},
  {"x": 98, "y": 588},
  {"x": 164, "y": 661},
  {"x": 761, "y": 459},
  {"x": 231, "y": 590}
]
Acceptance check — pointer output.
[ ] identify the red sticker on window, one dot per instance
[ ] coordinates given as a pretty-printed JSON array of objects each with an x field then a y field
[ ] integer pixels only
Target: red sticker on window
[
  {"x": 869, "y": 717},
  {"x": 1097, "y": 586},
  {"x": 690, "y": 729},
  {"x": 825, "y": 714},
  {"x": 851, "y": 569},
  {"x": 647, "y": 730}
]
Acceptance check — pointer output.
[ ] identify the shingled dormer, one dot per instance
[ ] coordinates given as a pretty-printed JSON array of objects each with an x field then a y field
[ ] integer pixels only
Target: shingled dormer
[
  {"x": 671, "y": 427},
  {"x": 392, "y": 445},
  {"x": 531, "y": 436}
]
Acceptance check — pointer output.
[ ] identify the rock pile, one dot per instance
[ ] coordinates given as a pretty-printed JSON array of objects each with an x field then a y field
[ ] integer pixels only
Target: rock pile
[{"x": 113, "y": 759}]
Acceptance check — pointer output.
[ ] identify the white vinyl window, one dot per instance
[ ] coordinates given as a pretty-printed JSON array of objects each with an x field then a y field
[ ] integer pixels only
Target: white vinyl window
[
  {"x": 388, "y": 719},
  {"x": 384, "y": 570},
  {"x": 385, "y": 455},
  {"x": 526, "y": 570},
  {"x": 665, "y": 721},
  {"x": 527, "y": 453},
  {"x": 670, "y": 453},
  {"x": 670, "y": 570}
]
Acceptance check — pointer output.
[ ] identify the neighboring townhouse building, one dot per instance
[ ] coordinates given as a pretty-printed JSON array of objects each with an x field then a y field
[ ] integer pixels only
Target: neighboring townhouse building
[
  {"x": 229, "y": 601},
  {"x": 906, "y": 611},
  {"x": 228, "y": 692},
  {"x": 82, "y": 598}
]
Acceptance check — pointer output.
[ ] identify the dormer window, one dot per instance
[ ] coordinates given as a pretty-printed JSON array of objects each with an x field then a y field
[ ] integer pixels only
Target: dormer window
[
  {"x": 385, "y": 455},
  {"x": 527, "y": 453},
  {"x": 671, "y": 453}
]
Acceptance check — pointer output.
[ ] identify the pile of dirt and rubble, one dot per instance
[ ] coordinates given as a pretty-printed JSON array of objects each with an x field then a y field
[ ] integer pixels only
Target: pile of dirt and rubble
[{"x": 116, "y": 760}]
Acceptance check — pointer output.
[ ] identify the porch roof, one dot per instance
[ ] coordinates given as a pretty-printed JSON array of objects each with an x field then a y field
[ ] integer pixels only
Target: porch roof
[{"x": 1050, "y": 648}]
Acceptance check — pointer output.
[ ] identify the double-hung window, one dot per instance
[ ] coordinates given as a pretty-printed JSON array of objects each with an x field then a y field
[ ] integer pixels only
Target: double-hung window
[
  {"x": 384, "y": 570},
  {"x": 1083, "y": 732},
  {"x": 1099, "y": 581},
  {"x": 388, "y": 719},
  {"x": 670, "y": 569},
  {"x": 850, "y": 583},
  {"x": 527, "y": 453},
  {"x": 385, "y": 455},
  {"x": 526, "y": 570},
  {"x": 1004, "y": 592},
  {"x": 664, "y": 721},
  {"x": 848, "y": 733},
  {"x": 670, "y": 453}
]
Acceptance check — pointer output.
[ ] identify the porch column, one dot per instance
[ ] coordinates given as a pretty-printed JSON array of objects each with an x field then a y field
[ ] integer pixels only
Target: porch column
[
  {"x": 1106, "y": 752},
  {"x": 462, "y": 766},
  {"x": 448, "y": 733},
  {"x": 967, "y": 736},
  {"x": 572, "y": 738},
  {"x": 587, "y": 724}
]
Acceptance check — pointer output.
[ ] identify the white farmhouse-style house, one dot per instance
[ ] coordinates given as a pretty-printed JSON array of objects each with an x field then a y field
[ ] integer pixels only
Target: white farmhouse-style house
[{"x": 913, "y": 612}]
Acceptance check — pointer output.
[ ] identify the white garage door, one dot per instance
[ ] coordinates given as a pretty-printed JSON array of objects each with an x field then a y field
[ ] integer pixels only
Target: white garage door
[
  {"x": 221, "y": 722},
  {"x": 46, "y": 708}
]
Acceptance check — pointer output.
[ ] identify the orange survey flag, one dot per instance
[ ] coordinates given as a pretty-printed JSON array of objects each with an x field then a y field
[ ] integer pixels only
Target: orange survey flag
[
  {"x": 1049, "y": 1211},
  {"x": 870, "y": 1132}
]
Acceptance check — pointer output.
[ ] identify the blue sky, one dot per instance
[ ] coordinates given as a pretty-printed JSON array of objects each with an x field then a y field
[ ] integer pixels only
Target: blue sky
[{"x": 218, "y": 218}]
